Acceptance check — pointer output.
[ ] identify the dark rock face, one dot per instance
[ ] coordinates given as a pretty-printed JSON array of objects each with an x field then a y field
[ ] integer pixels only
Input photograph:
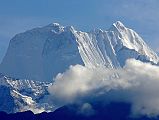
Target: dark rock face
[
  {"x": 113, "y": 111},
  {"x": 6, "y": 100}
]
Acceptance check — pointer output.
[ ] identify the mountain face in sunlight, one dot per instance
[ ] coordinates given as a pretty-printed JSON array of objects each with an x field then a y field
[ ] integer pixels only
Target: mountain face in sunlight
[
  {"x": 42, "y": 53},
  {"x": 79, "y": 75}
]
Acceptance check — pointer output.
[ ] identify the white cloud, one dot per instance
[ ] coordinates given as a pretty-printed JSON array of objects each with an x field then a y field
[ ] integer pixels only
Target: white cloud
[{"x": 138, "y": 84}]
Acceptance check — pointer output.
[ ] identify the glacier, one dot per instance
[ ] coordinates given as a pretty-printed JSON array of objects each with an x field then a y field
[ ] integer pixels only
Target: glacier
[{"x": 43, "y": 52}]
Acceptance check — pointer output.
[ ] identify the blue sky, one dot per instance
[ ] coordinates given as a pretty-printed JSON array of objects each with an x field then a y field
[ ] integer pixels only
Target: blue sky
[{"x": 19, "y": 15}]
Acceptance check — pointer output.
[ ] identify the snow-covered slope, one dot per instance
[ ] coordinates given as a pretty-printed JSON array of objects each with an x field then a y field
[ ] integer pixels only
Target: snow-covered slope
[
  {"x": 111, "y": 48},
  {"x": 22, "y": 95},
  {"x": 41, "y": 53}
]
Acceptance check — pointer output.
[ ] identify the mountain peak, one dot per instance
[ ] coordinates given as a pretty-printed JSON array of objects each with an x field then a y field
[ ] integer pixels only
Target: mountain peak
[
  {"x": 119, "y": 25},
  {"x": 55, "y": 27},
  {"x": 42, "y": 55},
  {"x": 54, "y": 24}
]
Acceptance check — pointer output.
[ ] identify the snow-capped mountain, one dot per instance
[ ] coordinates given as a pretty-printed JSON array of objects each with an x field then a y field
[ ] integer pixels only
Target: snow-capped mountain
[
  {"x": 111, "y": 48},
  {"x": 22, "y": 95},
  {"x": 41, "y": 53}
]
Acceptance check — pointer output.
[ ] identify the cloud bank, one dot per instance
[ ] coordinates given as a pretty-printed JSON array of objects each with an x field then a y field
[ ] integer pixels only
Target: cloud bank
[{"x": 137, "y": 83}]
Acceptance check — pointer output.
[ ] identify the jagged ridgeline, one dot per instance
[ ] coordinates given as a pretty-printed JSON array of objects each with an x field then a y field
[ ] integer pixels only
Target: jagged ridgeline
[{"x": 41, "y": 53}]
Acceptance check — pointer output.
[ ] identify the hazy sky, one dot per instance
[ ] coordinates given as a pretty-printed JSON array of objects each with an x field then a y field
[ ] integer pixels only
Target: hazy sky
[{"x": 20, "y": 15}]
